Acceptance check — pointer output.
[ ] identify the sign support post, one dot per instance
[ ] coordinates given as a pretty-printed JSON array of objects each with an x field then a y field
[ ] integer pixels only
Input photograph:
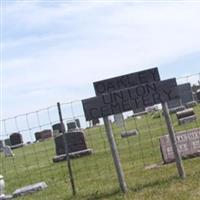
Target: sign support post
[
  {"x": 115, "y": 155},
  {"x": 66, "y": 151},
  {"x": 179, "y": 163}
]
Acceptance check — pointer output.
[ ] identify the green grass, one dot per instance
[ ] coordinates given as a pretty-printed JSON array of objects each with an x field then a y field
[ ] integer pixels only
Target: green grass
[{"x": 95, "y": 176}]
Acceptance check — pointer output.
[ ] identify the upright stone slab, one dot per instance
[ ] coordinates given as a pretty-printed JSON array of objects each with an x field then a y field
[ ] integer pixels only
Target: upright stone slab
[
  {"x": 7, "y": 151},
  {"x": 71, "y": 126},
  {"x": 76, "y": 145},
  {"x": 78, "y": 124},
  {"x": 46, "y": 134},
  {"x": 198, "y": 95},
  {"x": 38, "y": 136},
  {"x": 174, "y": 103},
  {"x": 185, "y": 92},
  {"x": 2, "y": 144},
  {"x": 16, "y": 138},
  {"x": 188, "y": 143},
  {"x": 7, "y": 142},
  {"x": 95, "y": 122},
  {"x": 58, "y": 139},
  {"x": 119, "y": 120},
  {"x": 75, "y": 141},
  {"x": 57, "y": 130}
]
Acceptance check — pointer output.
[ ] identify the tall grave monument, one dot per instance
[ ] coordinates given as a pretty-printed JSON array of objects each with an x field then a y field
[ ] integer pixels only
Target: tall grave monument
[{"x": 75, "y": 141}]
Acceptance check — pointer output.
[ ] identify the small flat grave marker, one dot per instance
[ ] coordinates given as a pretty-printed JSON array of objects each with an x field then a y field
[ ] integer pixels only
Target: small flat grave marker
[{"x": 126, "y": 134}]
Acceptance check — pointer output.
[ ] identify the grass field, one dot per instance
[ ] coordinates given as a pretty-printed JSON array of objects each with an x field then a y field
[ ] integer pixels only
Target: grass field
[{"x": 95, "y": 176}]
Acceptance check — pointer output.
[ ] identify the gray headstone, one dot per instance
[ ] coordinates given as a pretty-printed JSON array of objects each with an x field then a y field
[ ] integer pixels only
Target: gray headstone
[
  {"x": 16, "y": 138},
  {"x": 198, "y": 95},
  {"x": 2, "y": 144},
  {"x": 187, "y": 120},
  {"x": 71, "y": 126},
  {"x": 175, "y": 103},
  {"x": 38, "y": 136},
  {"x": 119, "y": 120},
  {"x": 75, "y": 141},
  {"x": 191, "y": 104},
  {"x": 185, "y": 92},
  {"x": 7, "y": 151},
  {"x": 95, "y": 122},
  {"x": 78, "y": 124},
  {"x": 57, "y": 130},
  {"x": 45, "y": 134},
  {"x": 29, "y": 189},
  {"x": 7, "y": 142},
  {"x": 188, "y": 143}
]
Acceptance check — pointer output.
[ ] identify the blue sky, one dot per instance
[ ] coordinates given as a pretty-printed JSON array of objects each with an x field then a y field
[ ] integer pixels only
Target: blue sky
[{"x": 54, "y": 51}]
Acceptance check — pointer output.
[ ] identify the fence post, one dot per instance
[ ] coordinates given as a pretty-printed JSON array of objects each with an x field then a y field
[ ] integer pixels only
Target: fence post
[
  {"x": 115, "y": 155},
  {"x": 66, "y": 151},
  {"x": 179, "y": 162}
]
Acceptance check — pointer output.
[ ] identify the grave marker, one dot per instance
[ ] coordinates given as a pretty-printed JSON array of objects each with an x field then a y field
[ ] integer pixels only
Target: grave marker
[
  {"x": 95, "y": 122},
  {"x": 188, "y": 143},
  {"x": 7, "y": 142},
  {"x": 7, "y": 151},
  {"x": 185, "y": 92},
  {"x": 2, "y": 144},
  {"x": 71, "y": 126},
  {"x": 198, "y": 95},
  {"x": 46, "y": 134},
  {"x": 16, "y": 140},
  {"x": 119, "y": 120}
]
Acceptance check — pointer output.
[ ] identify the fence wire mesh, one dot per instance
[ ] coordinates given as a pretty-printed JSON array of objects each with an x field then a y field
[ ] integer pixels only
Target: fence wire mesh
[{"x": 94, "y": 174}]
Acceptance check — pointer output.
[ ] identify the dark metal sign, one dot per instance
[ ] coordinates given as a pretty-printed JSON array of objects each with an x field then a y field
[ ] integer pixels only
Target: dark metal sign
[
  {"x": 131, "y": 98},
  {"x": 126, "y": 81}
]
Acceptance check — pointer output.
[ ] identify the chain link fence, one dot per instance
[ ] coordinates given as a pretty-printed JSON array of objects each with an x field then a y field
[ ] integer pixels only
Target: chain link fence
[{"x": 34, "y": 150}]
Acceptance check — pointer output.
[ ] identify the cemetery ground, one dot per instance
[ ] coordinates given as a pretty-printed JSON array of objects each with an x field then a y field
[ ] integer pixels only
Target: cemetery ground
[{"x": 95, "y": 178}]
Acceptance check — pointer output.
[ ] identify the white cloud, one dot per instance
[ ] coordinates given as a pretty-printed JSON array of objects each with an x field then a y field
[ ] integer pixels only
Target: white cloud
[{"x": 72, "y": 46}]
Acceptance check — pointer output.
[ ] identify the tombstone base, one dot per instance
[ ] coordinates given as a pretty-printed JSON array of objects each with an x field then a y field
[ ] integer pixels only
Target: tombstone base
[
  {"x": 29, "y": 189},
  {"x": 176, "y": 109},
  {"x": 186, "y": 120},
  {"x": 191, "y": 104},
  {"x": 75, "y": 154},
  {"x": 16, "y": 146},
  {"x": 125, "y": 134}
]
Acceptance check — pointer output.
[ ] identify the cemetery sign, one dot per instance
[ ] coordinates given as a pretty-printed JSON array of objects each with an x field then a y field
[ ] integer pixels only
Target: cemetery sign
[
  {"x": 126, "y": 81},
  {"x": 123, "y": 100}
]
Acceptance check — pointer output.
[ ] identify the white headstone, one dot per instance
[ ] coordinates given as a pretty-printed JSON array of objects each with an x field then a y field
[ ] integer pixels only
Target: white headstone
[
  {"x": 2, "y": 186},
  {"x": 119, "y": 120}
]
